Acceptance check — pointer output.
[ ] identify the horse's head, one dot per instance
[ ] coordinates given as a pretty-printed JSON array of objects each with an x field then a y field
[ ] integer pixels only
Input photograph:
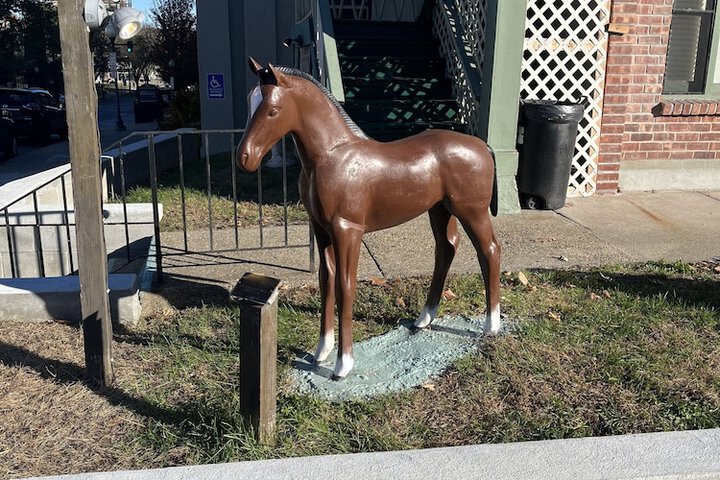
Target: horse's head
[{"x": 271, "y": 115}]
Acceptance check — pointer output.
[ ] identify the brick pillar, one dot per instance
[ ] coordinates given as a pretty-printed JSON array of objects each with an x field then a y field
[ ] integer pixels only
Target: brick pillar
[{"x": 634, "y": 79}]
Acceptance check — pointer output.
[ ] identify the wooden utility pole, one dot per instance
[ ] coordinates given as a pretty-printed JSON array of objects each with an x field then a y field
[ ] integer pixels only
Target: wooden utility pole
[{"x": 81, "y": 104}]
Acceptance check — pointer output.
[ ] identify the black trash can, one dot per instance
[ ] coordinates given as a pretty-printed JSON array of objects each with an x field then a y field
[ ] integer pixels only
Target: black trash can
[{"x": 546, "y": 151}]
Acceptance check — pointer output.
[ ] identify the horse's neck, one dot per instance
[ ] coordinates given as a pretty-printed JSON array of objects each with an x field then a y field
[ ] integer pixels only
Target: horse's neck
[{"x": 321, "y": 130}]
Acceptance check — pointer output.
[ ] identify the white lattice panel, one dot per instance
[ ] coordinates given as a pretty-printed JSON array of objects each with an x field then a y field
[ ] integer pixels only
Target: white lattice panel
[{"x": 564, "y": 59}]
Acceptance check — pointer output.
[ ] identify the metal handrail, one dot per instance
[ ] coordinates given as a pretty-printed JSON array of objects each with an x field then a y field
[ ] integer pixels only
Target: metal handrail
[{"x": 5, "y": 213}]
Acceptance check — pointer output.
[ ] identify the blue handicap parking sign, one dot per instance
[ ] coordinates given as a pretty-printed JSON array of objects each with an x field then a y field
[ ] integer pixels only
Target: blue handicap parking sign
[{"x": 216, "y": 85}]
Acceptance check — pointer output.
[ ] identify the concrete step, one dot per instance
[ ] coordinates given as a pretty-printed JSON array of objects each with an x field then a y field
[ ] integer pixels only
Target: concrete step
[{"x": 58, "y": 298}]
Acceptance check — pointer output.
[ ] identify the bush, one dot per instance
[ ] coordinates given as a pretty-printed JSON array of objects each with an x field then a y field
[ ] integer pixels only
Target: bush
[{"x": 183, "y": 111}]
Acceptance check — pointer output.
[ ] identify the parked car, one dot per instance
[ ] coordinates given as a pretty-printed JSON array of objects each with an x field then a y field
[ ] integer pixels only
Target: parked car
[
  {"x": 8, "y": 141},
  {"x": 34, "y": 112}
]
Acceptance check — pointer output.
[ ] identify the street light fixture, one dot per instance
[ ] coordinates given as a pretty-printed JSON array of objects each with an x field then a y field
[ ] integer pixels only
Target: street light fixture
[{"x": 123, "y": 23}]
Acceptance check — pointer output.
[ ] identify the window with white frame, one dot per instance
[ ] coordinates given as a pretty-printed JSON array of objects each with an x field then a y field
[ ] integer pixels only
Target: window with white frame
[{"x": 687, "y": 69}]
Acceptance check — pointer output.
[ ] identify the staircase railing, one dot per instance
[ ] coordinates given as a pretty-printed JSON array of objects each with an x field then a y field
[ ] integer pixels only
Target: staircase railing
[
  {"x": 316, "y": 48},
  {"x": 459, "y": 25}
]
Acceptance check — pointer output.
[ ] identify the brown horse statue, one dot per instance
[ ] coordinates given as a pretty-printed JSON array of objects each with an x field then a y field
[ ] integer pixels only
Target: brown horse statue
[{"x": 351, "y": 184}]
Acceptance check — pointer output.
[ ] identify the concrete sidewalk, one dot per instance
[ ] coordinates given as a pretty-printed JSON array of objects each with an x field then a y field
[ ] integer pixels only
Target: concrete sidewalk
[
  {"x": 672, "y": 455},
  {"x": 590, "y": 231}
]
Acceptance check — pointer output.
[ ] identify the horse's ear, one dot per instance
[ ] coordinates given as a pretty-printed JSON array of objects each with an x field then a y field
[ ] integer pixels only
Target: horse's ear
[
  {"x": 255, "y": 67},
  {"x": 280, "y": 78}
]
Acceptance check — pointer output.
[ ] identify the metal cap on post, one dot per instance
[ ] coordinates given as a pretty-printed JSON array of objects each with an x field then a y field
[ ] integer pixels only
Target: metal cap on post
[{"x": 257, "y": 297}]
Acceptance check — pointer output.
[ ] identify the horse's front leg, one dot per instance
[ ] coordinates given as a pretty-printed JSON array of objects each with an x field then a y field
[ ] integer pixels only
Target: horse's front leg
[
  {"x": 347, "y": 237},
  {"x": 326, "y": 281}
]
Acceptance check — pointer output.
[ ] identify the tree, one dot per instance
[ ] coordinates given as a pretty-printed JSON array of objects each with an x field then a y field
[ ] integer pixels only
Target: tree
[
  {"x": 30, "y": 43},
  {"x": 140, "y": 62},
  {"x": 40, "y": 40},
  {"x": 176, "y": 40},
  {"x": 9, "y": 46}
]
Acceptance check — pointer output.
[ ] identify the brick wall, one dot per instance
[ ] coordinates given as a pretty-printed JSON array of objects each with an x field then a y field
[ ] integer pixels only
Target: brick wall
[{"x": 637, "y": 123}]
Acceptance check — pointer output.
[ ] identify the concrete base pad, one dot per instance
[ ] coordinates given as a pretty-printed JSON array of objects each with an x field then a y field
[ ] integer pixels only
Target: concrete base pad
[{"x": 396, "y": 361}]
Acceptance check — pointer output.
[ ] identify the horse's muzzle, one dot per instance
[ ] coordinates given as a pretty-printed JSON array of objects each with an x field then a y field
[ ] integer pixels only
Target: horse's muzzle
[{"x": 242, "y": 161}]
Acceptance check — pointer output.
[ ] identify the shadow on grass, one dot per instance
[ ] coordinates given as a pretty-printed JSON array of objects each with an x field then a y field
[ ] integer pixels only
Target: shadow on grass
[
  {"x": 697, "y": 292},
  {"x": 66, "y": 373}
]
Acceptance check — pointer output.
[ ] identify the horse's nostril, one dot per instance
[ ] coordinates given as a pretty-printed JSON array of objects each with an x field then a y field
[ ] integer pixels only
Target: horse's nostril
[{"x": 244, "y": 158}]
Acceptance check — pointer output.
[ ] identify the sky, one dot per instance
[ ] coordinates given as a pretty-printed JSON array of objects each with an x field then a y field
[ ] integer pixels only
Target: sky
[{"x": 143, "y": 5}]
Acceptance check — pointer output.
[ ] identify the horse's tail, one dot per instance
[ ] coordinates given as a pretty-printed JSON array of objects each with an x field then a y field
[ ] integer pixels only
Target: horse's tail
[{"x": 494, "y": 199}]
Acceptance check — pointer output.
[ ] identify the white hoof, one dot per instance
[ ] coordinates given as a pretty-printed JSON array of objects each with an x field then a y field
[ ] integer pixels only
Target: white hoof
[
  {"x": 343, "y": 366},
  {"x": 426, "y": 316},
  {"x": 492, "y": 322},
  {"x": 325, "y": 346}
]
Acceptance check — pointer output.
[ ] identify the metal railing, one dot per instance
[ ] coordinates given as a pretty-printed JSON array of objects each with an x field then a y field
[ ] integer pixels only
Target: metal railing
[
  {"x": 170, "y": 169},
  {"x": 24, "y": 214},
  {"x": 460, "y": 27},
  {"x": 166, "y": 163}
]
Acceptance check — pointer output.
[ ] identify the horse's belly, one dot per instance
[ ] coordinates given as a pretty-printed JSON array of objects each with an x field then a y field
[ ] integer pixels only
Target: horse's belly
[{"x": 392, "y": 209}]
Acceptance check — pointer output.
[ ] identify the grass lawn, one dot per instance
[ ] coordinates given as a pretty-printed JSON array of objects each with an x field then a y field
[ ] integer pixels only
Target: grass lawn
[
  {"x": 196, "y": 196},
  {"x": 623, "y": 349},
  {"x": 599, "y": 352}
]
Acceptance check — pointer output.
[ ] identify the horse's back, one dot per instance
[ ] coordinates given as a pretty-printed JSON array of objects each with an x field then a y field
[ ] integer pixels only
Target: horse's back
[
  {"x": 452, "y": 152},
  {"x": 446, "y": 143}
]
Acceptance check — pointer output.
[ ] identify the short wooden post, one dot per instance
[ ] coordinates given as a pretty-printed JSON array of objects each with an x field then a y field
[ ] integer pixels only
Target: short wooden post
[{"x": 257, "y": 298}]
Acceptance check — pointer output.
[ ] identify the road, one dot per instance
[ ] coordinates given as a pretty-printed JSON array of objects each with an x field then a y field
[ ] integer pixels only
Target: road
[{"x": 34, "y": 158}]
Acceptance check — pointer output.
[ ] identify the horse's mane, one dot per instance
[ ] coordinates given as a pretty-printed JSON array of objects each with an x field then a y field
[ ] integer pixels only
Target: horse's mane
[{"x": 299, "y": 73}]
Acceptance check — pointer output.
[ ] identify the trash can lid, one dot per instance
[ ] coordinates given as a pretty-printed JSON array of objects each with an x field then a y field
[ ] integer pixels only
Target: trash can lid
[{"x": 555, "y": 111}]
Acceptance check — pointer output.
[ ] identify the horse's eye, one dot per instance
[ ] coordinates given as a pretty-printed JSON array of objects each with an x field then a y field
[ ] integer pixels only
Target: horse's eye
[{"x": 273, "y": 112}]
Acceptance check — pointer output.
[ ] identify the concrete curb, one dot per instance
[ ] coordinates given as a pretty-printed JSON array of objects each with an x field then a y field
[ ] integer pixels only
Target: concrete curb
[{"x": 671, "y": 455}]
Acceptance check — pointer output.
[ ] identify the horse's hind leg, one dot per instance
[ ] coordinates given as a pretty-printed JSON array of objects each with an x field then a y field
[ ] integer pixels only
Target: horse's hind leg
[
  {"x": 444, "y": 227},
  {"x": 476, "y": 222},
  {"x": 326, "y": 277}
]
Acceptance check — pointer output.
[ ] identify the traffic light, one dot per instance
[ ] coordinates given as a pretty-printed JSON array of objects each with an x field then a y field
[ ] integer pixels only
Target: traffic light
[{"x": 129, "y": 46}]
